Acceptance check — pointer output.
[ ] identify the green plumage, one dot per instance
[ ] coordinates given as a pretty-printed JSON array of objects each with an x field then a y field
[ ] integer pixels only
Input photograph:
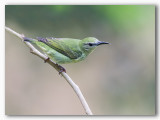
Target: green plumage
[{"x": 66, "y": 50}]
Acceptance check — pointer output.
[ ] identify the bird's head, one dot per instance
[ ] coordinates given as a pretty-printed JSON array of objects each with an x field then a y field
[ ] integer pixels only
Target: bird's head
[{"x": 90, "y": 43}]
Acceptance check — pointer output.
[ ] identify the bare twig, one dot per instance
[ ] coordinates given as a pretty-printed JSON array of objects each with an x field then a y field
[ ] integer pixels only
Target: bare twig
[{"x": 49, "y": 61}]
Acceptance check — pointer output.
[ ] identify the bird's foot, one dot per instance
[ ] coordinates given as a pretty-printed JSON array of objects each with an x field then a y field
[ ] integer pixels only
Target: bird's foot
[
  {"x": 62, "y": 69},
  {"x": 46, "y": 60}
]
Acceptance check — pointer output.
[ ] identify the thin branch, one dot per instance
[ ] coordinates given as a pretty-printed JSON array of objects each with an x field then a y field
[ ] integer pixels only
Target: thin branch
[{"x": 49, "y": 61}]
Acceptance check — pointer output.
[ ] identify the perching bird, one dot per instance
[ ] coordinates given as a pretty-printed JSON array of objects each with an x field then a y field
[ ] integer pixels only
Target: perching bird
[{"x": 66, "y": 50}]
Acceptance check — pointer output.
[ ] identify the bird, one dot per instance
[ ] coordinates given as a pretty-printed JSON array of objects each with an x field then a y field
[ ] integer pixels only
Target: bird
[{"x": 65, "y": 50}]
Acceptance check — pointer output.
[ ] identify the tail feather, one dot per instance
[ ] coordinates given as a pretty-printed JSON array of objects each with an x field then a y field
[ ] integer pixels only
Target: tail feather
[{"x": 28, "y": 39}]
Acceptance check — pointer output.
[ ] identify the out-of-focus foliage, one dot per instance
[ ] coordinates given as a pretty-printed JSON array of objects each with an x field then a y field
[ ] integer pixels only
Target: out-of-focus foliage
[{"x": 118, "y": 79}]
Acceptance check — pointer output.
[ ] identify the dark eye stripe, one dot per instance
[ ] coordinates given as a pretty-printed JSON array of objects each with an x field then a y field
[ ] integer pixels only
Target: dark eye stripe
[{"x": 90, "y": 44}]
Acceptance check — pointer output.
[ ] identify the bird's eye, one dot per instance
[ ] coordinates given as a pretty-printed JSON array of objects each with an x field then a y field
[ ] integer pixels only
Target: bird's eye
[{"x": 90, "y": 44}]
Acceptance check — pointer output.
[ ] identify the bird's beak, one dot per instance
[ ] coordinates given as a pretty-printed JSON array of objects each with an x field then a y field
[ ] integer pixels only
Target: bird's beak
[{"x": 100, "y": 43}]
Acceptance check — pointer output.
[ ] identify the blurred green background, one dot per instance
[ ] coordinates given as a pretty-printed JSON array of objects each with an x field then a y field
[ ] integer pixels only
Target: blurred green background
[{"x": 116, "y": 79}]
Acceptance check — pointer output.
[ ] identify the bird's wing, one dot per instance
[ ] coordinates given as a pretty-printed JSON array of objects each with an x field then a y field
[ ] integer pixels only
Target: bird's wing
[{"x": 65, "y": 46}]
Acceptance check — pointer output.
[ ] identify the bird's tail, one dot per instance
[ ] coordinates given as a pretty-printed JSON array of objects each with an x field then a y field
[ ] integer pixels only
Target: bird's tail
[{"x": 28, "y": 39}]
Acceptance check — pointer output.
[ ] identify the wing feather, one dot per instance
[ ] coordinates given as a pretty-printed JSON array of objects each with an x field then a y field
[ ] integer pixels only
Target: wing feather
[{"x": 70, "y": 49}]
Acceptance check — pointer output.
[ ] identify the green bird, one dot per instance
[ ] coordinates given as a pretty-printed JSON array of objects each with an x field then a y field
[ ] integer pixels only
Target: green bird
[{"x": 66, "y": 50}]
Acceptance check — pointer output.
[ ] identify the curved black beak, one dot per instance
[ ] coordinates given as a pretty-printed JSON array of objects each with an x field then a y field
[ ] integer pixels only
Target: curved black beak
[{"x": 100, "y": 43}]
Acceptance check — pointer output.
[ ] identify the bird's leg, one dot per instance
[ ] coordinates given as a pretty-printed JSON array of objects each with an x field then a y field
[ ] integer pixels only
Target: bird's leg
[
  {"x": 62, "y": 69},
  {"x": 46, "y": 60}
]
